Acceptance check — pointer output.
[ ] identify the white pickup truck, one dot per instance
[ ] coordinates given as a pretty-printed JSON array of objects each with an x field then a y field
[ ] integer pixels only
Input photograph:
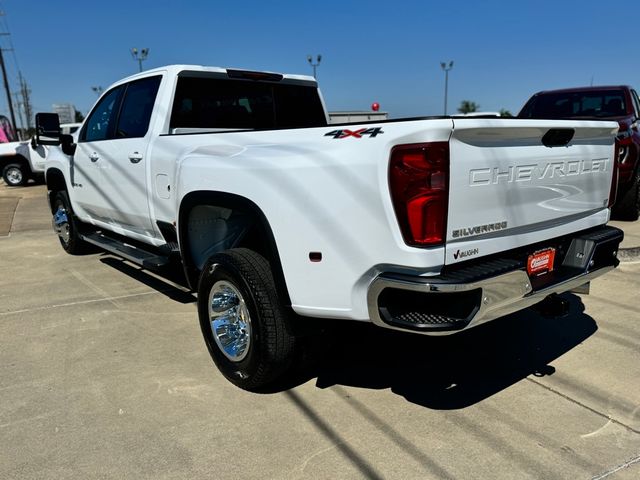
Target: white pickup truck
[
  {"x": 431, "y": 225},
  {"x": 20, "y": 161}
]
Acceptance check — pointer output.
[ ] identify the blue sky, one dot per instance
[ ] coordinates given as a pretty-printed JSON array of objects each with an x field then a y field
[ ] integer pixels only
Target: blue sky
[{"x": 383, "y": 51}]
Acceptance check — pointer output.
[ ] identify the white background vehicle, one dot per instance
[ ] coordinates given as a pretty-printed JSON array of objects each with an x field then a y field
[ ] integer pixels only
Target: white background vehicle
[
  {"x": 20, "y": 161},
  {"x": 420, "y": 225}
]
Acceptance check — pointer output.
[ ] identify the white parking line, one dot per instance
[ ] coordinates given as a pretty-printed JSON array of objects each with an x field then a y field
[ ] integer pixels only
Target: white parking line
[{"x": 82, "y": 302}]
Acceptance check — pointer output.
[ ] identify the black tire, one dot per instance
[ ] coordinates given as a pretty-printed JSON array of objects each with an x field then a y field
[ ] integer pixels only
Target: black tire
[
  {"x": 67, "y": 226},
  {"x": 270, "y": 347},
  {"x": 15, "y": 175},
  {"x": 628, "y": 207},
  {"x": 38, "y": 178}
]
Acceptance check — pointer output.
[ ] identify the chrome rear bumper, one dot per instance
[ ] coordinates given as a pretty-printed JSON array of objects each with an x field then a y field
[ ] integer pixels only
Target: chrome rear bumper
[{"x": 468, "y": 296}]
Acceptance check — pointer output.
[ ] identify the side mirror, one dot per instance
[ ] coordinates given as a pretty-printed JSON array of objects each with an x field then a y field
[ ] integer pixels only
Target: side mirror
[
  {"x": 47, "y": 129},
  {"x": 68, "y": 145}
]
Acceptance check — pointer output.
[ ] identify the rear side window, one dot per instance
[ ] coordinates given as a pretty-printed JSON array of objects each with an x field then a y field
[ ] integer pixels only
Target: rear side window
[
  {"x": 137, "y": 106},
  {"x": 202, "y": 102},
  {"x": 596, "y": 104},
  {"x": 101, "y": 123}
]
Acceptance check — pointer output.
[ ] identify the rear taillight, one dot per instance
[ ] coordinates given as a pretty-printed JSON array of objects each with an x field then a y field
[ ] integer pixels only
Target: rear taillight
[
  {"x": 623, "y": 140},
  {"x": 625, "y": 134},
  {"x": 419, "y": 184},
  {"x": 614, "y": 177}
]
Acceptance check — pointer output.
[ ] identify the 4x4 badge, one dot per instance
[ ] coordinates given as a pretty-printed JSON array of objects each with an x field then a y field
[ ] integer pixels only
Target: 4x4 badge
[{"x": 372, "y": 132}]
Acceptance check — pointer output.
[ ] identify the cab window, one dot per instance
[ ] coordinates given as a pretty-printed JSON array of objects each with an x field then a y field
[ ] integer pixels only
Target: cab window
[
  {"x": 202, "y": 102},
  {"x": 137, "y": 106},
  {"x": 101, "y": 123}
]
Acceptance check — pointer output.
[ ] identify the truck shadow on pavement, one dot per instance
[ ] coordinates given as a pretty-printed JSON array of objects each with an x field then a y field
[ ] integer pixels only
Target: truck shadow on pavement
[
  {"x": 443, "y": 373},
  {"x": 455, "y": 371},
  {"x": 169, "y": 282}
]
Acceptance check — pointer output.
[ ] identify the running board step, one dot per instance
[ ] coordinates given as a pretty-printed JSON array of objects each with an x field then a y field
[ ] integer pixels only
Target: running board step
[{"x": 126, "y": 251}]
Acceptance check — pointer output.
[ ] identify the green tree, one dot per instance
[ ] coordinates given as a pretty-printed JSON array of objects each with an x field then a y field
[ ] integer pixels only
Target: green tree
[
  {"x": 467, "y": 106},
  {"x": 505, "y": 113},
  {"x": 79, "y": 116}
]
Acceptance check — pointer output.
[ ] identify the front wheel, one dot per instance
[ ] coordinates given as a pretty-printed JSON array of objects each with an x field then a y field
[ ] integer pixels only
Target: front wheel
[
  {"x": 243, "y": 319},
  {"x": 14, "y": 175},
  {"x": 65, "y": 225}
]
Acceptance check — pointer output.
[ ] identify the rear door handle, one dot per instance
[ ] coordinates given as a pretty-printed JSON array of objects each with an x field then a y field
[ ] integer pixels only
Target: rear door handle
[
  {"x": 135, "y": 157},
  {"x": 94, "y": 157}
]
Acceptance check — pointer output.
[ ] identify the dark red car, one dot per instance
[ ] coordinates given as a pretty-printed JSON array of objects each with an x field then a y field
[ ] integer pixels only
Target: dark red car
[{"x": 619, "y": 103}]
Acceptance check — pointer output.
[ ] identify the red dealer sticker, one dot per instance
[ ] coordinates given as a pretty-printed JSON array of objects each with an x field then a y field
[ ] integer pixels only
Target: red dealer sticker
[{"x": 541, "y": 261}]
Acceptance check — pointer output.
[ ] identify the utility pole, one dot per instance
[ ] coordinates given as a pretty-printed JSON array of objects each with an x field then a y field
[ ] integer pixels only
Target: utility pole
[
  {"x": 25, "y": 91},
  {"x": 6, "y": 88},
  {"x": 21, "y": 116},
  {"x": 19, "y": 105}
]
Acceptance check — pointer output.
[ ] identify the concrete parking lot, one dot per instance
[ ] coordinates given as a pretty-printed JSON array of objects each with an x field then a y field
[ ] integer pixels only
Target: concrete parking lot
[{"x": 103, "y": 374}]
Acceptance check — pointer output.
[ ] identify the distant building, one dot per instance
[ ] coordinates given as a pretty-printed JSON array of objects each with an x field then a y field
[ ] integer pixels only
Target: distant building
[
  {"x": 65, "y": 111},
  {"x": 357, "y": 116}
]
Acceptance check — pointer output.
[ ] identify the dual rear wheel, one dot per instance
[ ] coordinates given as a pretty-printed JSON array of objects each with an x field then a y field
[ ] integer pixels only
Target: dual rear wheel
[{"x": 243, "y": 319}]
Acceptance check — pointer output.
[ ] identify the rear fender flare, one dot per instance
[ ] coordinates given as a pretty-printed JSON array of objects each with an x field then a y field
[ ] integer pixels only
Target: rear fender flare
[
  {"x": 14, "y": 158},
  {"x": 258, "y": 232}
]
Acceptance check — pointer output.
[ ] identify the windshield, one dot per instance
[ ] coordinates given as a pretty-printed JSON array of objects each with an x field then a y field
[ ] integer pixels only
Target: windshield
[{"x": 596, "y": 104}]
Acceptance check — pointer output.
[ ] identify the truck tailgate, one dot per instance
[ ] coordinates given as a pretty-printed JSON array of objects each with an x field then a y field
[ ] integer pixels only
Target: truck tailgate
[{"x": 507, "y": 189}]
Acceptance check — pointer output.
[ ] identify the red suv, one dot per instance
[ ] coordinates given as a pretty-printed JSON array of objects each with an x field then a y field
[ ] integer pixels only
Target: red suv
[{"x": 619, "y": 103}]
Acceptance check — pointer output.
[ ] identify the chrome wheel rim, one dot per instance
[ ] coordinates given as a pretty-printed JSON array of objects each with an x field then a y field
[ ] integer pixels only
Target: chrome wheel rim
[
  {"x": 229, "y": 320},
  {"x": 60, "y": 223},
  {"x": 14, "y": 175}
]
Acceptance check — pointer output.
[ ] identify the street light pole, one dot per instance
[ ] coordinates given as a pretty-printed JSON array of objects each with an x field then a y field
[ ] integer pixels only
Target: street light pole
[
  {"x": 446, "y": 69},
  {"x": 314, "y": 65},
  {"x": 139, "y": 55}
]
